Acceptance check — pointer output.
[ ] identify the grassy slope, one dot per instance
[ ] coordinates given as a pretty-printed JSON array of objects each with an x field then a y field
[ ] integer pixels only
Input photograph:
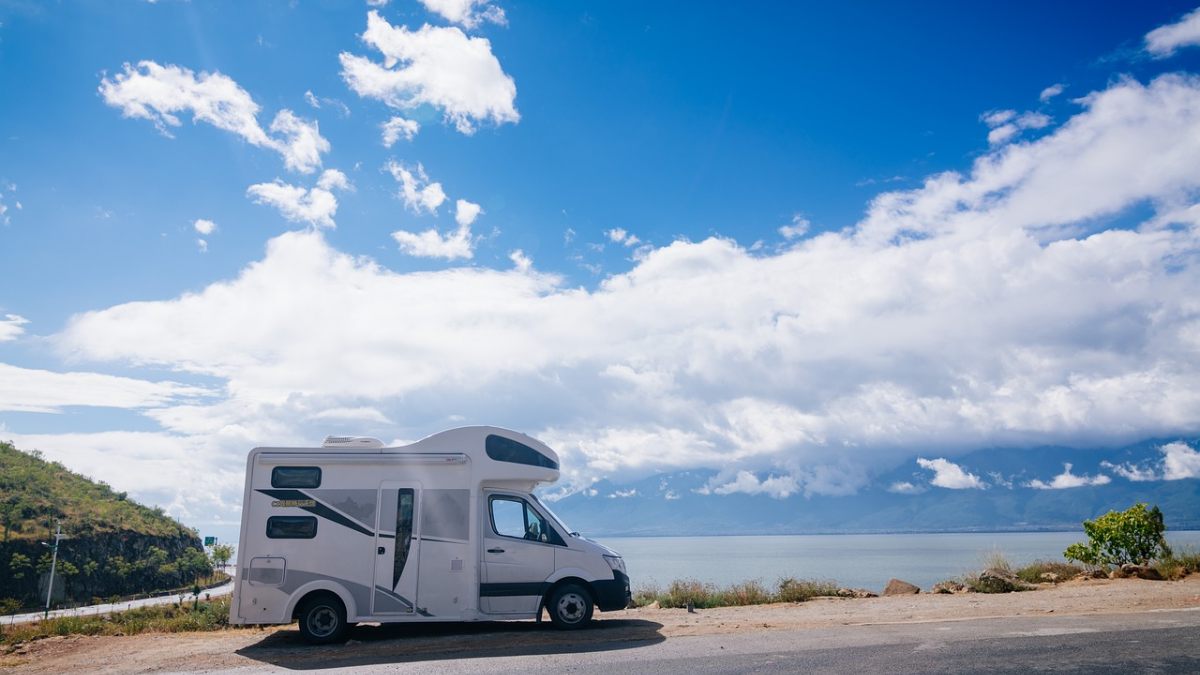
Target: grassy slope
[{"x": 35, "y": 492}]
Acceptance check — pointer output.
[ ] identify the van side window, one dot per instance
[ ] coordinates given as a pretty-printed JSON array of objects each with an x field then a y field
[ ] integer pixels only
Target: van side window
[
  {"x": 404, "y": 530},
  {"x": 291, "y": 527},
  {"x": 513, "y": 517},
  {"x": 296, "y": 477},
  {"x": 504, "y": 449}
]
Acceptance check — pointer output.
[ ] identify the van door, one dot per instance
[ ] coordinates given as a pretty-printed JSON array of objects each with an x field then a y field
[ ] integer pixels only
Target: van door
[
  {"x": 518, "y": 556},
  {"x": 397, "y": 548}
]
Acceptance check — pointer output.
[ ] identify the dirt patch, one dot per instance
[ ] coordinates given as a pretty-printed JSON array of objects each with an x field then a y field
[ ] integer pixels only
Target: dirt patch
[{"x": 280, "y": 647}]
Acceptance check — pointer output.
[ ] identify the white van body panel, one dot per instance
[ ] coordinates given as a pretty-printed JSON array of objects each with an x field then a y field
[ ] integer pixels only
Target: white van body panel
[{"x": 410, "y": 533}]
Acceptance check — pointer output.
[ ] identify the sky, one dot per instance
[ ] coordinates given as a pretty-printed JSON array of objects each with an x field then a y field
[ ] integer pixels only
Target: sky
[{"x": 797, "y": 244}]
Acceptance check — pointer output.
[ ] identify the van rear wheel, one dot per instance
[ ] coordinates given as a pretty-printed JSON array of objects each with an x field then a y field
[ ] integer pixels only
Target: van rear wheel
[
  {"x": 570, "y": 607},
  {"x": 323, "y": 620}
]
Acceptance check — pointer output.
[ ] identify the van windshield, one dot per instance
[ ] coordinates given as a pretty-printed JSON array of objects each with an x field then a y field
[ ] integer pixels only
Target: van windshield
[{"x": 554, "y": 516}]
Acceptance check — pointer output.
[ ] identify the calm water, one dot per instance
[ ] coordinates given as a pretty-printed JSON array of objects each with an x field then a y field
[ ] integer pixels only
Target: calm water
[{"x": 857, "y": 560}]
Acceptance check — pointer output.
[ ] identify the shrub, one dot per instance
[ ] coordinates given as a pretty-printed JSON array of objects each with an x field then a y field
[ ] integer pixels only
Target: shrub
[
  {"x": 1178, "y": 565},
  {"x": 682, "y": 591},
  {"x": 206, "y": 616},
  {"x": 799, "y": 590},
  {"x": 1032, "y": 573},
  {"x": 746, "y": 593},
  {"x": 1115, "y": 538}
]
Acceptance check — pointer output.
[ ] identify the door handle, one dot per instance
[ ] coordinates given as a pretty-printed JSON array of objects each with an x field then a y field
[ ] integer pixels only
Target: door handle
[
  {"x": 495, "y": 550},
  {"x": 380, "y": 550}
]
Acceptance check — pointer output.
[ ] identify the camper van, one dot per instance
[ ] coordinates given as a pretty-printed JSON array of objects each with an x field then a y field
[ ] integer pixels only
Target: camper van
[{"x": 444, "y": 529}]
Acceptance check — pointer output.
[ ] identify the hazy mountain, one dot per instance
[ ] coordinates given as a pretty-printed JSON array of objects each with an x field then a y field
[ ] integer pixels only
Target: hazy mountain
[{"x": 679, "y": 504}]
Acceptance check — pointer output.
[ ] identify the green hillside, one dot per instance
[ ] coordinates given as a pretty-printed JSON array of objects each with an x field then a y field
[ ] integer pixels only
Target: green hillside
[
  {"x": 113, "y": 546},
  {"x": 34, "y": 493}
]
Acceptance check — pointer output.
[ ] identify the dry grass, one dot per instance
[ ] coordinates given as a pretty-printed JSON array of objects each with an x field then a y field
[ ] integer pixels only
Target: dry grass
[
  {"x": 188, "y": 617},
  {"x": 702, "y": 595}
]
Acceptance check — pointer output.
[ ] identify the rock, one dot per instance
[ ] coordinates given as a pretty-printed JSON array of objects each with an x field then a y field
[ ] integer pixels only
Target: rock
[
  {"x": 948, "y": 587},
  {"x": 996, "y": 580},
  {"x": 855, "y": 593},
  {"x": 898, "y": 587},
  {"x": 654, "y": 605},
  {"x": 1049, "y": 577},
  {"x": 1092, "y": 574},
  {"x": 1141, "y": 572}
]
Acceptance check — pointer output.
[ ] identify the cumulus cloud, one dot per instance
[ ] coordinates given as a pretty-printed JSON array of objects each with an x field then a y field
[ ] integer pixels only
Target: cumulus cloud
[
  {"x": 905, "y": 488},
  {"x": 315, "y": 206},
  {"x": 1066, "y": 480},
  {"x": 798, "y": 228},
  {"x": 618, "y": 235},
  {"x": 466, "y": 212},
  {"x": 1050, "y": 92},
  {"x": 1002, "y": 306},
  {"x": 160, "y": 93},
  {"x": 396, "y": 127},
  {"x": 1165, "y": 40},
  {"x": 745, "y": 482},
  {"x": 11, "y": 327},
  {"x": 432, "y": 243},
  {"x": 468, "y": 13},
  {"x": 1180, "y": 461},
  {"x": 436, "y": 66},
  {"x": 416, "y": 190},
  {"x": 520, "y": 261},
  {"x": 1007, "y": 124},
  {"x": 947, "y": 474},
  {"x": 1132, "y": 472},
  {"x": 204, "y": 226}
]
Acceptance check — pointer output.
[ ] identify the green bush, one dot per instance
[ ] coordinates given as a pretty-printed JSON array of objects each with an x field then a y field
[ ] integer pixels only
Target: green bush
[
  {"x": 1116, "y": 538},
  {"x": 799, "y": 590},
  {"x": 205, "y": 616},
  {"x": 1032, "y": 573}
]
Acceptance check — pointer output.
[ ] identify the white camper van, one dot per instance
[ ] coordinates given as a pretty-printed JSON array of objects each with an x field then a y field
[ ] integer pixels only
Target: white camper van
[{"x": 445, "y": 529}]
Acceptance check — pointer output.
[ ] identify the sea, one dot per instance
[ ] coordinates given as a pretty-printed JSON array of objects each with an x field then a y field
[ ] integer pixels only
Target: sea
[{"x": 852, "y": 560}]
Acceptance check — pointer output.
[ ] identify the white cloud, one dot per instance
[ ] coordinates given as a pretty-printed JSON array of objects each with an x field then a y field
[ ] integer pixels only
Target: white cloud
[
  {"x": 160, "y": 93},
  {"x": 1166, "y": 40},
  {"x": 466, "y": 212},
  {"x": 619, "y": 235},
  {"x": 377, "y": 3},
  {"x": 521, "y": 262},
  {"x": 318, "y": 101},
  {"x": 417, "y": 192},
  {"x": 947, "y": 474},
  {"x": 623, "y": 494},
  {"x": 202, "y": 245},
  {"x": 1066, "y": 480},
  {"x": 1180, "y": 461},
  {"x": 437, "y": 66},
  {"x": 745, "y": 482},
  {"x": 904, "y": 488},
  {"x": 1132, "y": 472},
  {"x": 315, "y": 206},
  {"x": 204, "y": 226},
  {"x": 433, "y": 244},
  {"x": 1050, "y": 92},
  {"x": 798, "y": 228},
  {"x": 1003, "y": 306},
  {"x": 11, "y": 327},
  {"x": 1007, "y": 124},
  {"x": 396, "y": 127},
  {"x": 44, "y": 391},
  {"x": 468, "y": 13}
]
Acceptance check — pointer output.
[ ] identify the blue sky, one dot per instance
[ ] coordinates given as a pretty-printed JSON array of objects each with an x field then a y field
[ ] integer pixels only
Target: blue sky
[{"x": 625, "y": 290}]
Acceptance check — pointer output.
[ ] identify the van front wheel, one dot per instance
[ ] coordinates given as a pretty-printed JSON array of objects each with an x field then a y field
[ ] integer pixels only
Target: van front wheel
[
  {"x": 570, "y": 607},
  {"x": 323, "y": 620}
]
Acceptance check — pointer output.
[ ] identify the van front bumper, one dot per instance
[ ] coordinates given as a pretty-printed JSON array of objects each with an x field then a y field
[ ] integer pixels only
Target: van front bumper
[{"x": 613, "y": 594}]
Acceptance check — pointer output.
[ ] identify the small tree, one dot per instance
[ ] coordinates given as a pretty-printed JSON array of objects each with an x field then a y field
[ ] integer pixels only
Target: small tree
[
  {"x": 221, "y": 553},
  {"x": 1115, "y": 538}
]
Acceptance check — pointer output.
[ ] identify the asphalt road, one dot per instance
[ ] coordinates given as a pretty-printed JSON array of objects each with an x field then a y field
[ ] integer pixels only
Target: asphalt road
[
  {"x": 1158, "y": 642},
  {"x": 223, "y": 589}
]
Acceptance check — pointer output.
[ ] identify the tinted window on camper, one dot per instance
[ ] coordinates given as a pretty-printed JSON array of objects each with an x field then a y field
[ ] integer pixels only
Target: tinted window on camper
[
  {"x": 296, "y": 477},
  {"x": 291, "y": 527},
  {"x": 514, "y": 517},
  {"x": 504, "y": 449}
]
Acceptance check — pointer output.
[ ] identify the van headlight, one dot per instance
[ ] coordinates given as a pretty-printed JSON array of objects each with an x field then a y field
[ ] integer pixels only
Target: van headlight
[{"x": 616, "y": 562}]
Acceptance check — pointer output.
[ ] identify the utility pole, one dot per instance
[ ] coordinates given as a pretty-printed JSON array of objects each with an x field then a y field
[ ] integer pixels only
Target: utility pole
[{"x": 53, "y": 564}]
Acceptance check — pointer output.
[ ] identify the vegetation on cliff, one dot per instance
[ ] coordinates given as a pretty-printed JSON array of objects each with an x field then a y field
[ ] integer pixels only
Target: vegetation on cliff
[{"x": 111, "y": 546}]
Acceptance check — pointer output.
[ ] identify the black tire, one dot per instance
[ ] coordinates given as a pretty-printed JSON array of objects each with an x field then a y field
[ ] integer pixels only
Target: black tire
[
  {"x": 570, "y": 607},
  {"x": 323, "y": 620}
]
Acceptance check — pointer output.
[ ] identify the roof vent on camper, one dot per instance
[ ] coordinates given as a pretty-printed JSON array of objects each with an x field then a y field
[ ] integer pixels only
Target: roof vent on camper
[{"x": 352, "y": 442}]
